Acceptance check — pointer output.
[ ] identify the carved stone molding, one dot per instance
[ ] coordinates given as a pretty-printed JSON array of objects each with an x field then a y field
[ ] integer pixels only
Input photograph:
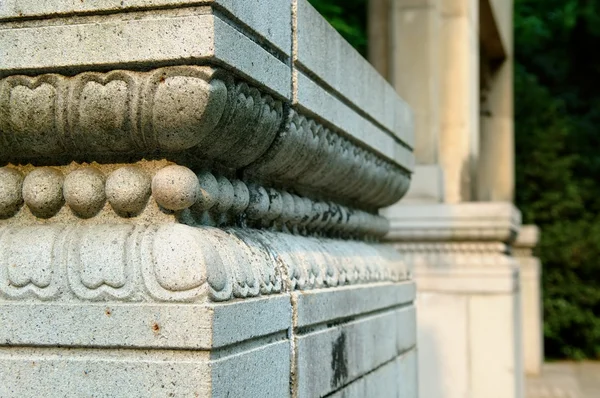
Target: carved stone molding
[
  {"x": 174, "y": 262},
  {"x": 443, "y": 256},
  {"x": 154, "y": 191},
  {"x": 191, "y": 114},
  {"x": 123, "y": 112}
]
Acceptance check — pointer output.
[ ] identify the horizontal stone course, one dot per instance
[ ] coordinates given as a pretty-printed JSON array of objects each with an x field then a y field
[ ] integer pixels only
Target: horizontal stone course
[
  {"x": 323, "y": 52},
  {"x": 64, "y": 372},
  {"x": 350, "y": 350},
  {"x": 270, "y": 19}
]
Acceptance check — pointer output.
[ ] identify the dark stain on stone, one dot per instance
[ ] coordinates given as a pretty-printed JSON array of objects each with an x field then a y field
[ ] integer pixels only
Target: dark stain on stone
[{"x": 339, "y": 361}]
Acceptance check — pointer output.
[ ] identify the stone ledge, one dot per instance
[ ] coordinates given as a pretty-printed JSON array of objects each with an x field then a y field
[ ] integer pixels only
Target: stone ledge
[
  {"x": 314, "y": 307},
  {"x": 271, "y": 19},
  {"x": 142, "y": 325},
  {"x": 474, "y": 221},
  {"x": 61, "y": 372}
]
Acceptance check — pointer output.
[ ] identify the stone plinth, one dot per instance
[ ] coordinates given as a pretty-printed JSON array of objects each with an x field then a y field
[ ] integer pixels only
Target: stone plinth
[
  {"x": 531, "y": 298},
  {"x": 189, "y": 197},
  {"x": 468, "y": 302}
]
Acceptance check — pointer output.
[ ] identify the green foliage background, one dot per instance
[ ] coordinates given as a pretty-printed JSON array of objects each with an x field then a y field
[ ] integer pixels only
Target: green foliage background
[{"x": 557, "y": 118}]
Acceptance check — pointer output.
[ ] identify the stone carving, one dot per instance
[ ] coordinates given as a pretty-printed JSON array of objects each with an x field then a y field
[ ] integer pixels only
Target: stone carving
[
  {"x": 203, "y": 199},
  {"x": 174, "y": 262},
  {"x": 195, "y": 114},
  {"x": 446, "y": 255},
  {"x": 310, "y": 156},
  {"x": 165, "y": 110}
]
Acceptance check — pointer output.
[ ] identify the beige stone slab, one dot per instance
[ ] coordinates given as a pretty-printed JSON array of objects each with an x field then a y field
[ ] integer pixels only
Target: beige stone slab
[
  {"x": 130, "y": 40},
  {"x": 495, "y": 353},
  {"x": 459, "y": 101},
  {"x": 270, "y": 19},
  {"x": 58, "y": 372},
  {"x": 464, "y": 221},
  {"x": 415, "y": 72},
  {"x": 443, "y": 345},
  {"x": 501, "y": 280},
  {"x": 426, "y": 186}
]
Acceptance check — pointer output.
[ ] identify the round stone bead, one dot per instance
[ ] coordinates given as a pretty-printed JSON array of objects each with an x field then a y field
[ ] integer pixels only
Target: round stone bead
[
  {"x": 43, "y": 191},
  {"x": 83, "y": 190},
  {"x": 11, "y": 185},
  {"x": 175, "y": 187},
  {"x": 128, "y": 190}
]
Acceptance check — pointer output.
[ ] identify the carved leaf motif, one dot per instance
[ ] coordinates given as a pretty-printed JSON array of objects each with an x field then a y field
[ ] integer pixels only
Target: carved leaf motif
[
  {"x": 179, "y": 258},
  {"x": 31, "y": 115},
  {"x": 30, "y": 257},
  {"x": 102, "y": 257},
  {"x": 103, "y": 115}
]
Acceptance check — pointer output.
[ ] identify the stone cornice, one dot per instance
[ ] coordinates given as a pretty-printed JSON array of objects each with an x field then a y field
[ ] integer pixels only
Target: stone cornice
[
  {"x": 528, "y": 237},
  {"x": 474, "y": 221}
]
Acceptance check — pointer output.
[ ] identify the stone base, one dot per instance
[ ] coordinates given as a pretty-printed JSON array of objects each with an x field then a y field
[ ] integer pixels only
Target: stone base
[
  {"x": 202, "y": 312},
  {"x": 468, "y": 300}
]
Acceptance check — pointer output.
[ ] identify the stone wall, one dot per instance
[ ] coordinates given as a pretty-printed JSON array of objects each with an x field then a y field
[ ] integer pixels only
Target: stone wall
[{"x": 189, "y": 204}]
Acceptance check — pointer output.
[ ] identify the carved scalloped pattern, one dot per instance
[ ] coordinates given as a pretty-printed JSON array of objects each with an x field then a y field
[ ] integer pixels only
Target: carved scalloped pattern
[
  {"x": 199, "y": 110},
  {"x": 310, "y": 156},
  {"x": 445, "y": 255},
  {"x": 165, "y": 110},
  {"x": 178, "y": 263}
]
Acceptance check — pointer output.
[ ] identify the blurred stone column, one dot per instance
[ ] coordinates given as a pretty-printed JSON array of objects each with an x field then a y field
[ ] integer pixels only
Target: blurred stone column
[
  {"x": 496, "y": 165},
  {"x": 531, "y": 298},
  {"x": 450, "y": 60}
]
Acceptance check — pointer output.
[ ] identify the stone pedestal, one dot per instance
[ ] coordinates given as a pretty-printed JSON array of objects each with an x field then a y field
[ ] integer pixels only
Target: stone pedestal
[
  {"x": 189, "y": 199},
  {"x": 531, "y": 293},
  {"x": 468, "y": 301}
]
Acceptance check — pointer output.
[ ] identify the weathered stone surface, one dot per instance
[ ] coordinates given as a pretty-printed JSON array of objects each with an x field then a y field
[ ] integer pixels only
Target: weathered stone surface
[
  {"x": 270, "y": 20},
  {"x": 397, "y": 378},
  {"x": 314, "y": 307},
  {"x": 168, "y": 36},
  {"x": 178, "y": 263},
  {"x": 189, "y": 205},
  {"x": 64, "y": 372},
  {"x": 178, "y": 194},
  {"x": 354, "y": 348},
  {"x": 321, "y": 51}
]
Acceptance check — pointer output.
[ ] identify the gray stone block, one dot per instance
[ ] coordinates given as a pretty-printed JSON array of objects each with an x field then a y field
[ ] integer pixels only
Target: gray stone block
[
  {"x": 397, "y": 378},
  {"x": 180, "y": 36},
  {"x": 270, "y": 20},
  {"x": 315, "y": 99},
  {"x": 334, "y": 355},
  {"x": 64, "y": 372},
  {"x": 319, "y": 306},
  {"x": 321, "y": 51}
]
